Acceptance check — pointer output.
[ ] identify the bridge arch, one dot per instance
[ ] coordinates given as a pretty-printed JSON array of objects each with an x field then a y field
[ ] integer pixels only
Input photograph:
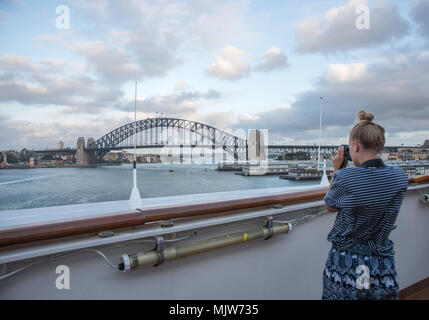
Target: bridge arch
[{"x": 218, "y": 138}]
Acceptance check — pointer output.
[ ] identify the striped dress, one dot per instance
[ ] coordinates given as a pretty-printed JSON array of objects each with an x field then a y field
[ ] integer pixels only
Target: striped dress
[{"x": 361, "y": 264}]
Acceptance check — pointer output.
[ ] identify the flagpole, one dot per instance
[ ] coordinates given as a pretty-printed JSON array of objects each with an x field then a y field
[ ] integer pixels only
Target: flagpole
[
  {"x": 135, "y": 124},
  {"x": 320, "y": 133},
  {"x": 135, "y": 199}
]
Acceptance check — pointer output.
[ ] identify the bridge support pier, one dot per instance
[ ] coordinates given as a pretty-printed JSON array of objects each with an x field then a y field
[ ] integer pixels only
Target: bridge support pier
[{"x": 84, "y": 157}]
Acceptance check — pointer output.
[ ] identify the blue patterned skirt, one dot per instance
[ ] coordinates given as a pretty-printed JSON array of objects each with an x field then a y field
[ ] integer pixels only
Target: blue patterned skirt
[{"x": 356, "y": 274}]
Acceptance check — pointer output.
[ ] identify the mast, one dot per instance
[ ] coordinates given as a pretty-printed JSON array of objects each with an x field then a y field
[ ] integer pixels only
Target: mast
[
  {"x": 320, "y": 134},
  {"x": 135, "y": 199},
  {"x": 135, "y": 126}
]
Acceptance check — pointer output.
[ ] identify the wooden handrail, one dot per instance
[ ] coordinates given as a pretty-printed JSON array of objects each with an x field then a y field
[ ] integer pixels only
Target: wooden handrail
[
  {"x": 64, "y": 228},
  {"x": 418, "y": 179}
]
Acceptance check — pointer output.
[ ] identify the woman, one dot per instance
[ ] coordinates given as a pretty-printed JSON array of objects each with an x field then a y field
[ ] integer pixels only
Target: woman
[{"x": 368, "y": 197}]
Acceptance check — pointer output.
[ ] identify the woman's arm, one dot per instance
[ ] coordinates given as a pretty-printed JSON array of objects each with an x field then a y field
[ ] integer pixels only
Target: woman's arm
[{"x": 328, "y": 208}]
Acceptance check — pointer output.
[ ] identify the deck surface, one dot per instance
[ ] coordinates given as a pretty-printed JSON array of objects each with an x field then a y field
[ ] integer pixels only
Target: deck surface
[{"x": 422, "y": 294}]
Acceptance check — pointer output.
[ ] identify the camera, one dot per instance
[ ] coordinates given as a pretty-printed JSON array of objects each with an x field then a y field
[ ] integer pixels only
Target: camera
[
  {"x": 347, "y": 152},
  {"x": 347, "y": 156}
]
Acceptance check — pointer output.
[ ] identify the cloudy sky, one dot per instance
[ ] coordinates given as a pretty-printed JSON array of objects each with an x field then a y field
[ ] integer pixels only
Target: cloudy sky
[{"x": 236, "y": 65}]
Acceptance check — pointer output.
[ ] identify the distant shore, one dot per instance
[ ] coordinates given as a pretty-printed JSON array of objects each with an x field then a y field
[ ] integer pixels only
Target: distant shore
[{"x": 64, "y": 166}]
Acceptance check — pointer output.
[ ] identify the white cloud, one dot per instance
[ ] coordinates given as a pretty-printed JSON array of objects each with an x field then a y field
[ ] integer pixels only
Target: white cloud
[
  {"x": 15, "y": 63},
  {"x": 179, "y": 104},
  {"x": 214, "y": 23},
  {"x": 39, "y": 135},
  {"x": 231, "y": 65},
  {"x": 157, "y": 36},
  {"x": 273, "y": 59},
  {"x": 122, "y": 55},
  {"x": 154, "y": 38},
  {"x": 394, "y": 89},
  {"x": 248, "y": 117},
  {"x": 181, "y": 86},
  {"x": 346, "y": 73},
  {"x": 52, "y": 82},
  {"x": 220, "y": 119},
  {"x": 338, "y": 32},
  {"x": 114, "y": 65}
]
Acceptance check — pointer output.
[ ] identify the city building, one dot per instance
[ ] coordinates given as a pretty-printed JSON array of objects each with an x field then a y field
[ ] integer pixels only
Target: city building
[
  {"x": 112, "y": 156},
  {"x": 384, "y": 156}
]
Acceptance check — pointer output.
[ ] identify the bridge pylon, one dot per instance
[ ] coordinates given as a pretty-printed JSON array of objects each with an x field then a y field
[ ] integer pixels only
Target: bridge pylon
[{"x": 85, "y": 157}]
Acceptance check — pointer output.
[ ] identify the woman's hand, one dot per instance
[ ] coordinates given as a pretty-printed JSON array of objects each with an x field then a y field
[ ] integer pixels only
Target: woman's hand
[{"x": 338, "y": 160}]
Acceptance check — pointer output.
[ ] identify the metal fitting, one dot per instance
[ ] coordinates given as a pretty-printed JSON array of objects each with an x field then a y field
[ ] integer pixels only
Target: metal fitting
[
  {"x": 269, "y": 225},
  {"x": 167, "y": 224},
  {"x": 106, "y": 234},
  {"x": 159, "y": 247},
  {"x": 143, "y": 213},
  {"x": 125, "y": 258}
]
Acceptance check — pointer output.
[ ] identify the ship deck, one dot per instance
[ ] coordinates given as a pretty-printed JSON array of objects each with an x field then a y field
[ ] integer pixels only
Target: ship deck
[
  {"x": 286, "y": 266},
  {"x": 422, "y": 294},
  {"x": 417, "y": 291}
]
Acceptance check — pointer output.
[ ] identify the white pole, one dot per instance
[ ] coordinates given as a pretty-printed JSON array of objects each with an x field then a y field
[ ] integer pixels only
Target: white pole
[
  {"x": 135, "y": 123},
  {"x": 325, "y": 180},
  {"x": 135, "y": 199},
  {"x": 320, "y": 134}
]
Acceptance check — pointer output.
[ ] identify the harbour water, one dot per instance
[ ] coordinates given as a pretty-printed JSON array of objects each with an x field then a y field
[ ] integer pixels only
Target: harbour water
[{"x": 45, "y": 187}]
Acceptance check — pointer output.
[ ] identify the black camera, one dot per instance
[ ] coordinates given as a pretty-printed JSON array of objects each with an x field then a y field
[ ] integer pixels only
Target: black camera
[
  {"x": 347, "y": 152},
  {"x": 346, "y": 155}
]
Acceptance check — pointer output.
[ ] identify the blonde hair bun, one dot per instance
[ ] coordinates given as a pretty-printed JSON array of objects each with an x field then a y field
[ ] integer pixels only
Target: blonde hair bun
[
  {"x": 368, "y": 133},
  {"x": 365, "y": 117}
]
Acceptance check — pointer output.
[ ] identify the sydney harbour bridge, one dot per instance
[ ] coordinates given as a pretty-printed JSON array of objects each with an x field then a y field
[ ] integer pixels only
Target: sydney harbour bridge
[{"x": 181, "y": 134}]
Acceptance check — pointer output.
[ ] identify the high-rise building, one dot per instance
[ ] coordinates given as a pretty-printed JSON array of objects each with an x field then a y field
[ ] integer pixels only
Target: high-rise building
[
  {"x": 257, "y": 149},
  {"x": 24, "y": 155}
]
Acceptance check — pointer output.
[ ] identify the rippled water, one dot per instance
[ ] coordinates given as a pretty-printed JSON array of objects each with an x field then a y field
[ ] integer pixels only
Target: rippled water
[{"x": 32, "y": 188}]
